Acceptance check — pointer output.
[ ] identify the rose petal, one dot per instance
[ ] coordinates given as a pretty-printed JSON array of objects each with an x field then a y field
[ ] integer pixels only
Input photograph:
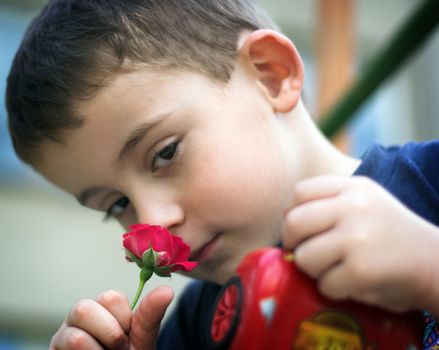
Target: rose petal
[
  {"x": 163, "y": 259},
  {"x": 134, "y": 243},
  {"x": 143, "y": 237},
  {"x": 171, "y": 252},
  {"x": 182, "y": 251},
  {"x": 185, "y": 266},
  {"x": 137, "y": 244},
  {"x": 161, "y": 239}
]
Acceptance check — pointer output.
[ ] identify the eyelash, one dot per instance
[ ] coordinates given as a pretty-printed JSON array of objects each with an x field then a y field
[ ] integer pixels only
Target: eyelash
[
  {"x": 168, "y": 153},
  {"x": 123, "y": 202}
]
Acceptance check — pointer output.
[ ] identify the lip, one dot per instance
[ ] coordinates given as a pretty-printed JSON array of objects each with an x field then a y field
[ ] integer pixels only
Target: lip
[{"x": 201, "y": 254}]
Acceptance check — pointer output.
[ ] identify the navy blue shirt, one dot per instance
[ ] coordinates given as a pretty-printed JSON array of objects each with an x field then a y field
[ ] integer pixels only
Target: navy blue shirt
[{"x": 410, "y": 173}]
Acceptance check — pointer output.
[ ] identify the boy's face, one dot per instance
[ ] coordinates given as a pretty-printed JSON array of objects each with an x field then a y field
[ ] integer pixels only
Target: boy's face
[{"x": 208, "y": 161}]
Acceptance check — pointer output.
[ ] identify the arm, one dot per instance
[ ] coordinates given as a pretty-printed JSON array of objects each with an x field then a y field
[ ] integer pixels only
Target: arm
[
  {"x": 109, "y": 322},
  {"x": 360, "y": 243}
]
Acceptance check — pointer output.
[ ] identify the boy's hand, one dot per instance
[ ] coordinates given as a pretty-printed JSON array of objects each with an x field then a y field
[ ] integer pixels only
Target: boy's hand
[
  {"x": 360, "y": 243},
  {"x": 109, "y": 323}
]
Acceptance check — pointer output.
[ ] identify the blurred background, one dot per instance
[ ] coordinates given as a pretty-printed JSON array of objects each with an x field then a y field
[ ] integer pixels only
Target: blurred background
[{"x": 53, "y": 252}]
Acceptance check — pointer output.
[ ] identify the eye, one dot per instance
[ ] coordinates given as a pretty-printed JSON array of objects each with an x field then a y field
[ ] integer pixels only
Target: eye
[
  {"x": 164, "y": 156},
  {"x": 117, "y": 209}
]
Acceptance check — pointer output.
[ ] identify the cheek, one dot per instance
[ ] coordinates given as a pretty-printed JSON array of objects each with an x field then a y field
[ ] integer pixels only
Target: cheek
[{"x": 240, "y": 187}]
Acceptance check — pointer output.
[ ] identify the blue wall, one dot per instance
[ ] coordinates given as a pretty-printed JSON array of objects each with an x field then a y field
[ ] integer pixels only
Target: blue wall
[{"x": 12, "y": 27}]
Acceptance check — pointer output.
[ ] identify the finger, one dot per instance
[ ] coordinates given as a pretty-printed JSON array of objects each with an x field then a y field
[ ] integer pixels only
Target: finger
[
  {"x": 334, "y": 283},
  {"x": 54, "y": 342},
  {"x": 309, "y": 219},
  {"x": 118, "y": 305},
  {"x": 96, "y": 320},
  {"x": 320, "y": 253},
  {"x": 146, "y": 320},
  {"x": 72, "y": 338},
  {"x": 318, "y": 187}
]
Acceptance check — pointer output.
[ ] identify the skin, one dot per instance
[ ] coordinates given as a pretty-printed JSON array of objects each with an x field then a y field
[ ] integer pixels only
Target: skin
[
  {"x": 360, "y": 243},
  {"x": 227, "y": 165}
]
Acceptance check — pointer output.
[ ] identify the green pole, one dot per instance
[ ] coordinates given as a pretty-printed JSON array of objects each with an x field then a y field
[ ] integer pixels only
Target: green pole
[{"x": 410, "y": 36}]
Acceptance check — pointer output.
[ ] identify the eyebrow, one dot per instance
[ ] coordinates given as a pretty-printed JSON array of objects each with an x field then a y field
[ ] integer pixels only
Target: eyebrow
[
  {"x": 139, "y": 132},
  {"x": 134, "y": 138},
  {"x": 87, "y": 193}
]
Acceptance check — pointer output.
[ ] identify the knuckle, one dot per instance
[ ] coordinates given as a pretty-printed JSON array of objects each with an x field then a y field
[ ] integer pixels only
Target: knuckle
[
  {"x": 110, "y": 297},
  {"x": 114, "y": 338},
  {"x": 364, "y": 187},
  {"x": 56, "y": 336},
  {"x": 53, "y": 340},
  {"x": 82, "y": 309},
  {"x": 360, "y": 273},
  {"x": 357, "y": 237},
  {"x": 76, "y": 340},
  {"x": 358, "y": 201}
]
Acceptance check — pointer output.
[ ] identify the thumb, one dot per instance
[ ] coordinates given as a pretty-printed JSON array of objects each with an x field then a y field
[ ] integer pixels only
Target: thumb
[{"x": 145, "y": 323}]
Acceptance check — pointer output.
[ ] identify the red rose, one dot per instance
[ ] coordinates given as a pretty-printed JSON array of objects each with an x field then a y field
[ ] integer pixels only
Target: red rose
[
  {"x": 155, "y": 250},
  {"x": 172, "y": 252}
]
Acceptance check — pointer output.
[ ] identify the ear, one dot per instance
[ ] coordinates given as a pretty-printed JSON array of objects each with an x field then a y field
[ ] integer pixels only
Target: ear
[{"x": 277, "y": 66}]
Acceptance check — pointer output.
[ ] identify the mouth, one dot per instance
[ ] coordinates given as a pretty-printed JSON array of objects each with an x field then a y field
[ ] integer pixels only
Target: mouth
[{"x": 202, "y": 253}]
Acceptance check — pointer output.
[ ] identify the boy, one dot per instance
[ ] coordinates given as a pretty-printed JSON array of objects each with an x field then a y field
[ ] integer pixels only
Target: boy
[{"x": 187, "y": 114}]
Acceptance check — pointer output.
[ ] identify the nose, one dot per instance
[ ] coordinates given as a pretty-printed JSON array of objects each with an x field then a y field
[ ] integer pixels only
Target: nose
[{"x": 162, "y": 211}]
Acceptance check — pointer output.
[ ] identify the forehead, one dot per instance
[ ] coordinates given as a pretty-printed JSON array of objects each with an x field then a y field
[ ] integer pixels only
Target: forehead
[{"x": 110, "y": 116}]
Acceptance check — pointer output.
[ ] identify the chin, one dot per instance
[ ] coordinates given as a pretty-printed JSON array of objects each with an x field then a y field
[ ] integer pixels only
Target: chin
[{"x": 219, "y": 273}]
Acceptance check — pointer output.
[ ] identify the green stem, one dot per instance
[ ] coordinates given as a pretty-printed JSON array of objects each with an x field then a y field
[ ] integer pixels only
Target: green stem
[{"x": 145, "y": 275}]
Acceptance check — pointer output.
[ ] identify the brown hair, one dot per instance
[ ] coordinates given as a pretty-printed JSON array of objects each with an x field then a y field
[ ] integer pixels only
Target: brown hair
[{"x": 72, "y": 48}]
